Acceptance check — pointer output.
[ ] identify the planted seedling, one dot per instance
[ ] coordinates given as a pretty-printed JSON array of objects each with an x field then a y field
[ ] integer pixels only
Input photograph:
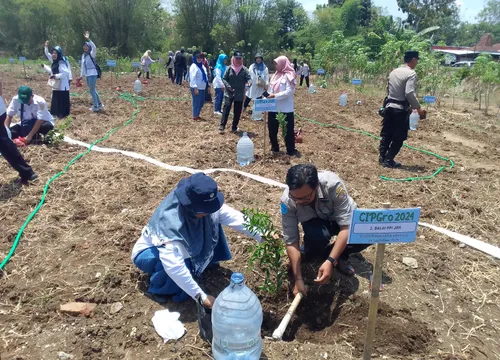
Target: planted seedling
[{"x": 268, "y": 255}]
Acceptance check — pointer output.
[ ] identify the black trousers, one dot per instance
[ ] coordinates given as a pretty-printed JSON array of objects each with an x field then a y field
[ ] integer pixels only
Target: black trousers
[
  {"x": 302, "y": 80},
  {"x": 140, "y": 73},
  {"x": 317, "y": 236},
  {"x": 171, "y": 74},
  {"x": 394, "y": 132},
  {"x": 18, "y": 130},
  {"x": 238, "y": 107},
  {"x": 179, "y": 73},
  {"x": 11, "y": 153},
  {"x": 273, "y": 126}
]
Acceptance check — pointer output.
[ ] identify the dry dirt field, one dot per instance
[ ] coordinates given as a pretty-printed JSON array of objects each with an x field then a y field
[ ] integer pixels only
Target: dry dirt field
[{"x": 78, "y": 246}]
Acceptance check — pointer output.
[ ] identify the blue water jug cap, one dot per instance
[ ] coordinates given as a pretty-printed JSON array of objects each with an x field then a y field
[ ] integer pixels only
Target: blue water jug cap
[
  {"x": 237, "y": 278},
  {"x": 245, "y": 134}
]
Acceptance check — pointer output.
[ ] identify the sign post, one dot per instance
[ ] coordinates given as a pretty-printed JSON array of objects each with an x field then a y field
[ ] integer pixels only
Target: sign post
[
  {"x": 111, "y": 64},
  {"x": 429, "y": 100},
  {"x": 381, "y": 226},
  {"x": 23, "y": 60},
  {"x": 264, "y": 105}
]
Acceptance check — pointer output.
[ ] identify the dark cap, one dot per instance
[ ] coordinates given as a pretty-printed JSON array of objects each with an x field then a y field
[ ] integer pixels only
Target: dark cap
[
  {"x": 199, "y": 193},
  {"x": 182, "y": 49},
  {"x": 197, "y": 53},
  {"x": 411, "y": 54},
  {"x": 24, "y": 94},
  {"x": 259, "y": 55},
  {"x": 237, "y": 54}
]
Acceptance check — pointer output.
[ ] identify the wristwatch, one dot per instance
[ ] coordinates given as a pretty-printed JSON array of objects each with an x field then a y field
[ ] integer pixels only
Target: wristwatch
[{"x": 333, "y": 261}]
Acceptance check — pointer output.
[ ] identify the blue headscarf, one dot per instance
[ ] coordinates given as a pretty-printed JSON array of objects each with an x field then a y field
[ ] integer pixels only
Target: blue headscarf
[
  {"x": 172, "y": 221},
  {"x": 220, "y": 64},
  {"x": 203, "y": 71},
  {"x": 260, "y": 67}
]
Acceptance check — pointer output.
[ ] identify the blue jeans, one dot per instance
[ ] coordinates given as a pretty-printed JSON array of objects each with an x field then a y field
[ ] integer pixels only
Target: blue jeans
[
  {"x": 160, "y": 283},
  {"x": 219, "y": 95},
  {"x": 91, "y": 83},
  {"x": 198, "y": 102}
]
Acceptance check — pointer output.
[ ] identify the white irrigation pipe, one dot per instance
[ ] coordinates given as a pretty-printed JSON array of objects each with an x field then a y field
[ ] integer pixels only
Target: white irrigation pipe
[{"x": 476, "y": 244}]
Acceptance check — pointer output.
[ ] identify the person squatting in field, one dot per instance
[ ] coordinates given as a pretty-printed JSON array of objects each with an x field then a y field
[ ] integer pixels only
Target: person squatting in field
[
  {"x": 321, "y": 204},
  {"x": 184, "y": 237},
  {"x": 10, "y": 151},
  {"x": 35, "y": 118}
]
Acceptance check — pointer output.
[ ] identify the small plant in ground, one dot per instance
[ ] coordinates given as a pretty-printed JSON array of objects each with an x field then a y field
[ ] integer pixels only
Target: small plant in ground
[
  {"x": 283, "y": 124},
  {"x": 56, "y": 136},
  {"x": 323, "y": 84},
  {"x": 269, "y": 254}
]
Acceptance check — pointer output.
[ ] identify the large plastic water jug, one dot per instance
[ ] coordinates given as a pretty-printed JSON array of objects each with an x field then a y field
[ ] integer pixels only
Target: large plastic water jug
[
  {"x": 311, "y": 89},
  {"x": 137, "y": 86},
  {"x": 236, "y": 323},
  {"x": 343, "y": 100},
  {"x": 245, "y": 150},
  {"x": 414, "y": 117}
]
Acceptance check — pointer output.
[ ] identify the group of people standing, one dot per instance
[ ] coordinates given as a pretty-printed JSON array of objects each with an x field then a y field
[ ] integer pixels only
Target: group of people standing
[{"x": 235, "y": 86}]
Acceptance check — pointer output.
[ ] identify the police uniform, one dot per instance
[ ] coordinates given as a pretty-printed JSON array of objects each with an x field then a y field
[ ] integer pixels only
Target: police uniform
[
  {"x": 29, "y": 114},
  {"x": 401, "y": 96},
  {"x": 320, "y": 220},
  {"x": 9, "y": 150}
]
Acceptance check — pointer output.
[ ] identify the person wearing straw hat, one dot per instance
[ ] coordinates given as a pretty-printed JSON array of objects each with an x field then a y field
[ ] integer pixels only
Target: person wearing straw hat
[
  {"x": 9, "y": 150},
  {"x": 32, "y": 110},
  {"x": 184, "y": 237}
]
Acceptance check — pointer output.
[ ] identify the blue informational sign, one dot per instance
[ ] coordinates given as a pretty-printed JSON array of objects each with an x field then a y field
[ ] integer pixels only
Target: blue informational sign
[
  {"x": 11, "y": 61},
  {"x": 429, "y": 99},
  {"x": 321, "y": 71},
  {"x": 111, "y": 63},
  {"x": 22, "y": 59},
  {"x": 264, "y": 105},
  {"x": 357, "y": 81},
  {"x": 136, "y": 64},
  {"x": 383, "y": 226}
]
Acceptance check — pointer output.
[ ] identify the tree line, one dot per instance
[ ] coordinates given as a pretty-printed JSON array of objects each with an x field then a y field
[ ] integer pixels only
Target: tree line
[{"x": 127, "y": 28}]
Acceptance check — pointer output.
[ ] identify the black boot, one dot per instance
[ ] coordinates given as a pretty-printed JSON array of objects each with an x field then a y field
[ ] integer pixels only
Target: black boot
[
  {"x": 389, "y": 163},
  {"x": 381, "y": 159}
]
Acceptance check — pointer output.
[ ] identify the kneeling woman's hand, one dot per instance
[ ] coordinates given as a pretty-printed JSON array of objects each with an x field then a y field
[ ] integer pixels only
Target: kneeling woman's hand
[{"x": 209, "y": 301}]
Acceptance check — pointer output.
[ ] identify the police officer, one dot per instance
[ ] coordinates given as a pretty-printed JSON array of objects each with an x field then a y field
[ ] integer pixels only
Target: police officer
[
  {"x": 401, "y": 98},
  {"x": 320, "y": 202}
]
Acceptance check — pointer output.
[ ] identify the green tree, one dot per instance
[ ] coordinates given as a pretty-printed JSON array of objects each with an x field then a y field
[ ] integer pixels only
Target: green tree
[
  {"x": 289, "y": 17},
  {"x": 426, "y": 13},
  {"x": 491, "y": 12}
]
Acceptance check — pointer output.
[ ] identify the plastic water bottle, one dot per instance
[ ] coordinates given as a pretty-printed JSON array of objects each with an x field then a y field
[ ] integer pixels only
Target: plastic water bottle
[
  {"x": 257, "y": 115},
  {"x": 311, "y": 89},
  {"x": 137, "y": 86},
  {"x": 245, "y": 150},
  {"x": 343, "y": 99},
  {"x": 236, "y": 323},
  {"x": 414, "y": 117}
]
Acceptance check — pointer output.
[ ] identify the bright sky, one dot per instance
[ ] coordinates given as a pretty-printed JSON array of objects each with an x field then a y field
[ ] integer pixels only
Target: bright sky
[{"x": 468, "y": 8}]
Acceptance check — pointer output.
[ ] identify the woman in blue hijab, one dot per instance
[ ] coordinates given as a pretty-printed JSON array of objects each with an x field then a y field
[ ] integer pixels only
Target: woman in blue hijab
[
  {"x": 219, "y": 71},
  {"x": 183, "y": 237}
]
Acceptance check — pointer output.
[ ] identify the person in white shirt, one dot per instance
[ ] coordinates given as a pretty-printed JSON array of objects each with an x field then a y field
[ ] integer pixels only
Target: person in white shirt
[
  {"x": 260, "y": 80},
  {"x": 304, "y": 73},
  {"x": 282, "y": 87},
  {"x": 145, "y": 62},
  {"x": 32, "y": 110},
  {"x": 184, "y": 237},
  {"x": 198, "y": 81},
  {"x": 170, "y": 66},
  {"x": 10, "y": 151},
  {"x": 60, "y": 105},
  {"x": 89, "y": 71},
  {"x": 218, "y": 84}
]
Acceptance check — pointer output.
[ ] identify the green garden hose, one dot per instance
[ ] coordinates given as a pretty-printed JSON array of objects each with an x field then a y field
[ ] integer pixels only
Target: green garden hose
[{"x": 428, "y": 177}]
